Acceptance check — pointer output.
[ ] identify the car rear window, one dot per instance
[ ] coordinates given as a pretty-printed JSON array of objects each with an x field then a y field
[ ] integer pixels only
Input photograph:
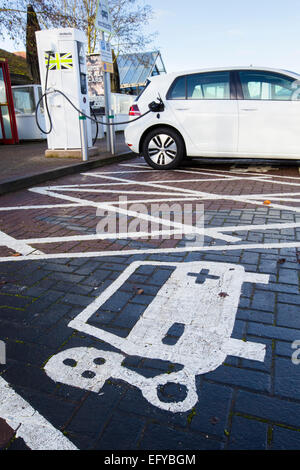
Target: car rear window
[
  {"x": 208, "y": 86},
  {"x": 201, "y": 86},
  {"x": 141, "y": 92},
  {"x": 178, "y": 89}
]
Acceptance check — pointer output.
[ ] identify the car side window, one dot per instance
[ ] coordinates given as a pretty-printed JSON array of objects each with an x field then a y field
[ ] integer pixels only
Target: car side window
[
  {"x": 208, "y": 86},
  {"x": 260, "y": 85},
  {"x": 178, "y": 89}
]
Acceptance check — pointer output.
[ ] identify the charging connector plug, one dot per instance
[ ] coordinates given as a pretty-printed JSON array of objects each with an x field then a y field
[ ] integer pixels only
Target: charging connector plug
[{"x": 157, "y": 106}]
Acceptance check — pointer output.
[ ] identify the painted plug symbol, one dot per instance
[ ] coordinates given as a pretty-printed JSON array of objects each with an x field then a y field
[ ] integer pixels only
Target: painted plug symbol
[{"x": 190, "y": 298}]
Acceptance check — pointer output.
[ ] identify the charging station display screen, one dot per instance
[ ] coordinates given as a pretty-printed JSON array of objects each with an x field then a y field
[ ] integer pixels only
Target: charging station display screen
[
  {"x": 83, "y": 84},
  {"x": 81, "y": 62}
]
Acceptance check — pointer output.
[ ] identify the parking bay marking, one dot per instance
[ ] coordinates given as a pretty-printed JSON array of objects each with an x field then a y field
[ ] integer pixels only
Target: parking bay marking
[
  {"x": 215, "y": 232},
  {"x": 210, "y": 232},
  {"x": 23, "y": 246},
  {"x": 158, "y": 220},
  {"x": 204, "y": 195},
  {"x": 19, "y": 246},
  {"x": 107, "y": 253},
  {"x": 233, "y": 346},
  {"x": 208, "y": 320},
  {"x": 32, "y": 427}
]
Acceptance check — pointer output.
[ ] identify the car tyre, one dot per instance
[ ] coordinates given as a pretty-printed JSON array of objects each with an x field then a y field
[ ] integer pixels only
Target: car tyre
[{"x": 163, "y": 149}]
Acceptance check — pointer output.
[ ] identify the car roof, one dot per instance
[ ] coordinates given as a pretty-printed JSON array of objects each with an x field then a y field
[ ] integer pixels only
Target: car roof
[{"x": 173, "y": 75}]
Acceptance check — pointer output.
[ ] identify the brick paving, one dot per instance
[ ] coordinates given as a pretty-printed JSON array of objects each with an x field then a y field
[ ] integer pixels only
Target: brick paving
[
  {"x": 243, "y": 403},
  {"x": 28, "y": 158}
]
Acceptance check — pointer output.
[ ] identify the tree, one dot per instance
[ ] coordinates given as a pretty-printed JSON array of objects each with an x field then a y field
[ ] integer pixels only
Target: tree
[
  {"x": 31, "y": 49},
  {"x": 129, "y": 19},
  {"x": 115, "y": 77}
]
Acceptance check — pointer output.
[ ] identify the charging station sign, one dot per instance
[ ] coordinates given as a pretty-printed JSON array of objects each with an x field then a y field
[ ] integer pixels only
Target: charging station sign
[
  {"x": 103, "y": 20},
  {"x": 106, "y": 56},
  {"x": 105, "y": 51}
]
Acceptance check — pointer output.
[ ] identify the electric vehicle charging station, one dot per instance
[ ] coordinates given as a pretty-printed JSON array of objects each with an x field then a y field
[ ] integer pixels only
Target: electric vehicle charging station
[{"x": 62, "y": 52}]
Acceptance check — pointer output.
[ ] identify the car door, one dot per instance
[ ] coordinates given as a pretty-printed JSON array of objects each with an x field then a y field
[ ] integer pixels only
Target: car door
[
  {"x": 205, "y": 106},
  {"x": 269, "y": 114}
]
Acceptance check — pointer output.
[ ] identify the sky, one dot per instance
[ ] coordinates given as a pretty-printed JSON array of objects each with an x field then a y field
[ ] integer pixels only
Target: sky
[
  {"x": 215, "y": 33},
  {"x": 195, "y": 34}
]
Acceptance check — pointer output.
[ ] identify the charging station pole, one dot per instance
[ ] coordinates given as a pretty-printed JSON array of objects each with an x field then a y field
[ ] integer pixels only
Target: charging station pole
[
  {"x": 107, "y": 91},
  {"x": 103, "y": 23},
  {"x": 83, "y": 138},
  {"x": 112, "y": 134}
]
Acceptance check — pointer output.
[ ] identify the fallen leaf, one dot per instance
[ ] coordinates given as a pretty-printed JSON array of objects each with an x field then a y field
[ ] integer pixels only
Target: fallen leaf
[
  {"x": 267, "y": 203},
  {"x": 16, "y": 254},
  {"x": 223, "y": 294},
  {"x": 281, "y": 261},
  {"x": 140, "y": 291},
  {"x": 214, "y": 420}
]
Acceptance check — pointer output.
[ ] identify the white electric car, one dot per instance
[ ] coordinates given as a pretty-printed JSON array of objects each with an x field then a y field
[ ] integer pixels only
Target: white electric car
[{"x": 240, "y": 112}]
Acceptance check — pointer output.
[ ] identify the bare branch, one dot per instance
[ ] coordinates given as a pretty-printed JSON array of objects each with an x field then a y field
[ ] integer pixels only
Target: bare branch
[{"x": 129, "y": 18}]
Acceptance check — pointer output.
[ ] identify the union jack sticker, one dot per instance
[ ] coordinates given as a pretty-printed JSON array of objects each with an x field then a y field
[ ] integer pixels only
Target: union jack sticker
[{"x": 59, "y": 61}]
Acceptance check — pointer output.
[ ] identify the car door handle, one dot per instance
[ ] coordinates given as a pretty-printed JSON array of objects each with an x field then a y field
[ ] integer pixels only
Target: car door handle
[
  {"x": 249, "y": 109},
  {"x": 182, "y": 109}
]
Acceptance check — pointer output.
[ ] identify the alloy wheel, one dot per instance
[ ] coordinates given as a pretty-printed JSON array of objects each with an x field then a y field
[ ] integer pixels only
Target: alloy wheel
[{"x": 162, "y": 149}]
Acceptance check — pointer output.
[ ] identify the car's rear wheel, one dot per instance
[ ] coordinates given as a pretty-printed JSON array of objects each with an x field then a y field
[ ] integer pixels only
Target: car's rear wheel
[{"x": 163, "y": 149}]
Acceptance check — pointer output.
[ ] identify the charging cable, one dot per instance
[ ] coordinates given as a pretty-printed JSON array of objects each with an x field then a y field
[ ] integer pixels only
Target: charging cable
[
  {"x": 153, "y": 107},
  {"x": 46, "y": 101},
  {"x": 48, "y": 92}
]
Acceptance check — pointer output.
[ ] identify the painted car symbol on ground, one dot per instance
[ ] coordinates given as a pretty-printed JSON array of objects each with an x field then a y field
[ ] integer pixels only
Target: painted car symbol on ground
[{"x": 202, "y": 297}]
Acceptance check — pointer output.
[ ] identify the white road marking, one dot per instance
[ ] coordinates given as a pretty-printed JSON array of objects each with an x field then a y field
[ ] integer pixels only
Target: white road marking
[
  {"x": 208, "y": 321},
  {"x": 174, "y": 228},
  {"x": 242, "y": 198},
  {"x": 133, "y": 182},
  {"x": 255, "y": 227},
  {"x": 138, "y": 165},
  {"x": 146, "y": 170},
  {"x": 270, "y": 195},
  {"x": 150, "y": 184},
  {"x": 208, "y": 170},
  {"x": 150, "y": 251},
  {"x": 213, "y": 232},
  {"x": 285, "y": 199},
  {"x": 105, "y": 236},
  {"x": 32, "y": 427},
  {"x": 17, "y": 245},
  {"x": 117, "y": 191},
  {"x": 262, "y": 179},
  {"x": 86, "y": 203},
  {"x": 48, "y": 206},
  {"x": 23, "y": 418},
  {"x": 139, "y": 215},
  {"x": 220, "y": 177},
  {"x": 23, "y": 246}
]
